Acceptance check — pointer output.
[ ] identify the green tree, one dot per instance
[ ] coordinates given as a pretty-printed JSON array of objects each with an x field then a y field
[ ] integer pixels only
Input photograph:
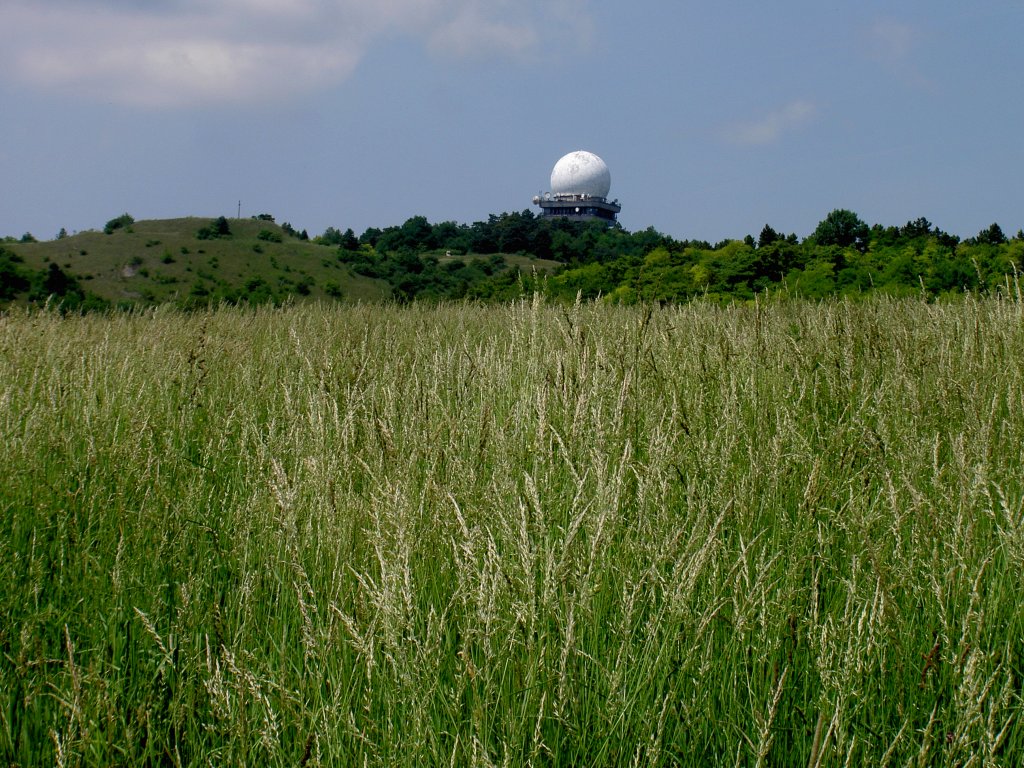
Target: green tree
[
  {"x": 732, "y": 268},
  {"x": 451, "y": 236},
  {"x": 415, "y": 235},
  {"x": 371, "y": 236},
  {"x": 815, "y": 281},
  {"x": 482, "y": 238},
  {"x": 767, "y": 237},
  {"x": 843, "y": 228},
  {"x": 515, "y": 231},
  {"x": 349, "y": 241},
  {"x": 993, "y": 235},
  {"x": 331, "y": 236},
  {"x": 57, "y": 281},
  {"x": 589, "y": 281},
  {"x": 773, "y": 260},
  {"x": 920, "y": 227}
]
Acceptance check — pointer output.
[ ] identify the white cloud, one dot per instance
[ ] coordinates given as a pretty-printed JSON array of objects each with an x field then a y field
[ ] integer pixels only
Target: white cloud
[
  {"x": 471, "y": 33},
  {"x": 772, "y": 126},
  {"x": 171, "y": 53},
  {"x": 475, "y": 28},
  {"x": 891, "y": 41},
  {"x": 894, "y": 44}
]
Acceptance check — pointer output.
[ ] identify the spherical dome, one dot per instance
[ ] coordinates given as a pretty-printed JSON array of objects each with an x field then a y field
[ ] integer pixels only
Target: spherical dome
[{"x": 581, "y": 173}]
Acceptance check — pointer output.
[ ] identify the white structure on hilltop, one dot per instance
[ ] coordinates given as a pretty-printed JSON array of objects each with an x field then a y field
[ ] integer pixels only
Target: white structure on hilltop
[{"x": 580, "y": 183}]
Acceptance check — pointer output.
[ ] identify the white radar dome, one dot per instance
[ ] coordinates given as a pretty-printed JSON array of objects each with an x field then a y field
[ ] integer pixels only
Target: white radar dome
[{"x": 581, "y": 173}]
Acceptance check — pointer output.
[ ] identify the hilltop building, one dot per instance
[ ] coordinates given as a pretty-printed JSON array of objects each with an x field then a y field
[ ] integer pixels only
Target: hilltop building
[{"x": 580, "y": 183}]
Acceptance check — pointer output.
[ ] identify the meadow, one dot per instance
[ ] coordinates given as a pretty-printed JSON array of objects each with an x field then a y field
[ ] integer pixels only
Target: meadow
[{"x": 785, "y": 534}]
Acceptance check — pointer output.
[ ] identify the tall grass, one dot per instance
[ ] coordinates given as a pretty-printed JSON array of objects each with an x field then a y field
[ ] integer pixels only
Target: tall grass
[{"x": 789, "y": 534}]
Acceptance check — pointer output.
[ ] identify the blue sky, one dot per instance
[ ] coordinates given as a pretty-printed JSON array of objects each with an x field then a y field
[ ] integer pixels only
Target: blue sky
[{"x": 714, "y": 118}]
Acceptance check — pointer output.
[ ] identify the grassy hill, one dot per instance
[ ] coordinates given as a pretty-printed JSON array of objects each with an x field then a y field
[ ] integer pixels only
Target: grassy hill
[
  {"x": 181, "y": 261},
  {"x": 164, "y": 260}
]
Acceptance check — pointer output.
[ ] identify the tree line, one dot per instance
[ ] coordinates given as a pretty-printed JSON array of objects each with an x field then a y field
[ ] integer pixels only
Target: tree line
[
  {"x": 420, "y": 260},
  {"x": 843, "y": 256}
]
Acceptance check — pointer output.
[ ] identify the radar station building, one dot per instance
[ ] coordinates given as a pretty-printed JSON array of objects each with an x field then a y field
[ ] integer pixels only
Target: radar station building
[{"x": 580, "y": 183}]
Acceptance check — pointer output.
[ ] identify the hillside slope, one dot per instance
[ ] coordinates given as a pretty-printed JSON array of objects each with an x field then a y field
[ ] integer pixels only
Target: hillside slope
[{"x": 166, "y": 260}]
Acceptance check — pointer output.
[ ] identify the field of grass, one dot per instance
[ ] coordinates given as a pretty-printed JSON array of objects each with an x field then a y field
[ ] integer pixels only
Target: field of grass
[{"x": 788, "y": 534}]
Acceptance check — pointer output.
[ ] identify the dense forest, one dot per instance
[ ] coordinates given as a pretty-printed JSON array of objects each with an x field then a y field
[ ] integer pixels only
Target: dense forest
[{"x": 495, "y": 260}]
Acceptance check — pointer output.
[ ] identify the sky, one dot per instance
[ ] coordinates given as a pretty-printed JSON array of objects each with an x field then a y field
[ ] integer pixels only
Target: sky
[{"x": 714, "y": 118}]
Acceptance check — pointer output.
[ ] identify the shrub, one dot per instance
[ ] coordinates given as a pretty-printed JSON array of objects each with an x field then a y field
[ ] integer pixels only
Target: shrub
[
  {"x": 13, "y": 279},
  {"x": 217, "y": 228},
  {"x": 123, "y": 221}
]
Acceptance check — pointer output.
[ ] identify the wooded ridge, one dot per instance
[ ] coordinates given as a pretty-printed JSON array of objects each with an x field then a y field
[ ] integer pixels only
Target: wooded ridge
[{"x": 196, "y": 262}]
